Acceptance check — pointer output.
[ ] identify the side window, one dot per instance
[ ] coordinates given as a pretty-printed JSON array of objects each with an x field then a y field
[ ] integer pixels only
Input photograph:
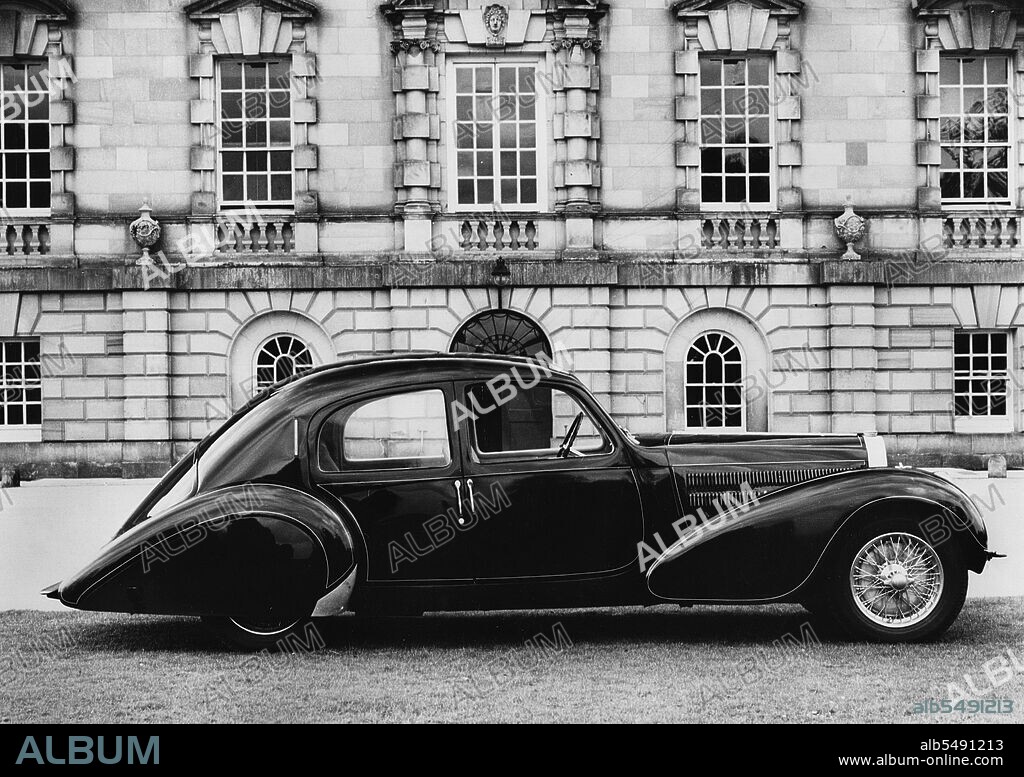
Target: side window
[
  {"x": 532, "y": 423},
  {"x": 399, "y": 431}
]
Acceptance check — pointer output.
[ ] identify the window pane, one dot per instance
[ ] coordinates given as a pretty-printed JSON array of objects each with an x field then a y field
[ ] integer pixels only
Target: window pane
[
  {"x": 950, "y": 184},
  {"x": 735, "y": 161},
  {"x": 14, "y": 136},
  {"x": 279, "y": 75},
  {"x": 255, "y": 105},
  {"x": 996, "y": 67},
  {"x": 759, "y": 160},
  {"x": 735, "y": 189},
  {"x": 231, "y": 75},
  {"x": 711, "y": 188},
  {"x": 39, "y": 195},
  {"x": 404, "y": 431},
  {"x": 280, "y": 133},
  {"x": 255, "y": 76},
  {"x": 485, "y": 192},
  {"x": 233, "y": 188},
  {"x": 710, "y": 72},
  {"x": 974, "y": 71},
  {"x": 528, "y": 163},
  {"x": 231, "y": 133},
  {"x": 735, "y": 72},
  {"x": 256, "y": 188},
  {"x": 710, "y": 102},
  {"x": 758, "y": 71},
  {"x": 711, "y": 160},
  {"x": 256, "y": 160},
  {"x": 760, "y": 188},
  {"x": 281, "y": 188},
  {"x": 528, "y": 191},
  {"x": 256, "y": 133}
]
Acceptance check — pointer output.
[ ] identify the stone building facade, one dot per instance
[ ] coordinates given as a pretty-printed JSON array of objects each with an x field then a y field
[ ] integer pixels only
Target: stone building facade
[{"x": 647, "y": 188}]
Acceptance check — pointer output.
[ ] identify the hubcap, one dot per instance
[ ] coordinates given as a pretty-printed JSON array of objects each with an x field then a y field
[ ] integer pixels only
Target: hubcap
[{"x": 896, "y": 580}]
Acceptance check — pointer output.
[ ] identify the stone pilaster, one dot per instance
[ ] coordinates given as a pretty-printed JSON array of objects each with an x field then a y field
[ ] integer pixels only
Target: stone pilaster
[
  {"x": 417, "y": 130},
  {"x": 577, "y": 124}
]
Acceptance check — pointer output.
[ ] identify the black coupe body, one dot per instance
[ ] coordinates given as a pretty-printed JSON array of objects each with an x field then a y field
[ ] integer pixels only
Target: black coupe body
[{"x": 445, "y": 482}]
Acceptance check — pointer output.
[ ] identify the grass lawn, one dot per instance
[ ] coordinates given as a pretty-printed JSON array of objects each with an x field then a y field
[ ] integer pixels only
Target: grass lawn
[{"x": 659, "y": 664}]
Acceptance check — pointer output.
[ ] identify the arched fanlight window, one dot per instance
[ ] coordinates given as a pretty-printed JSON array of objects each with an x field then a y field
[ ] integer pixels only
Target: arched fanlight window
[
  {"x": 503, "y": 332},
  {"x": 279, "y": 358},
  {"x": 714, "y": 383}
]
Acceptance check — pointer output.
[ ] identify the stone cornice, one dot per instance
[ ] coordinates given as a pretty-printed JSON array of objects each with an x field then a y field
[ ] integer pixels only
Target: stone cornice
[{"x": 619, "y": 269}]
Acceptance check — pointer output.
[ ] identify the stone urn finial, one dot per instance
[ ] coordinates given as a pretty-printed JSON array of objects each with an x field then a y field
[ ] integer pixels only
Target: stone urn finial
[
  {"x": 851, "y": 229},
  {"x": 145, "y": 230}
]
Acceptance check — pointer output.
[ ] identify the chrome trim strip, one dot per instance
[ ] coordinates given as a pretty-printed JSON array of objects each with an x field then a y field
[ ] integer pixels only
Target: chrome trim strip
[{"x": 335, "y": 602}]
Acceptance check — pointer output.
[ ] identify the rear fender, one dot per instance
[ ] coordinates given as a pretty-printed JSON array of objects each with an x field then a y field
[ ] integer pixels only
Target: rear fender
[{"x": 246, "y": 550}]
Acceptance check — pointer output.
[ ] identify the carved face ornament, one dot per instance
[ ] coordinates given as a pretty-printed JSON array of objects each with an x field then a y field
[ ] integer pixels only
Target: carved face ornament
[{"x": 495, "y": 19}]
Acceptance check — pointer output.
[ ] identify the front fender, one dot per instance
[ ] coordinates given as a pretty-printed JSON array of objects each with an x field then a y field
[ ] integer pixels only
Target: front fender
[
  {"x": 767, "y": 550},
  {"x": 243, "y": 550}
]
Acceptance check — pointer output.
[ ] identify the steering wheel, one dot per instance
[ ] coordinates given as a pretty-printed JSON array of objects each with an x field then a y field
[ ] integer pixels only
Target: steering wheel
[{"x": 570, "y": 436}]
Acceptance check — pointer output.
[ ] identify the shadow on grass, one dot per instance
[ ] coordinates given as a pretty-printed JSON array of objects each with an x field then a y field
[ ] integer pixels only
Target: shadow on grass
[{"x": 981, "y": 623}]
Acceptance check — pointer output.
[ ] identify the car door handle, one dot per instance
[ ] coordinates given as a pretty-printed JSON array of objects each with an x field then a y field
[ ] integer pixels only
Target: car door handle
[
  {"x": 458, "y": 499},
  {"x": 472, "y": 503}
]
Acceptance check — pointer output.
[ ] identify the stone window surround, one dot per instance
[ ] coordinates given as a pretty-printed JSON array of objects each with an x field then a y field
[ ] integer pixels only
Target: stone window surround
[
  {"x": 962, "y": 29},
  {"x": 256, "y": 332},
  {"x": 740, "y": 28},
  {"x": 973, "y": 424},
  {"x": 567, "y": 38},
  {"x": 256, "y": 30},
  {"x": 24, "y": 432},
  {"x": 541, "y": 120},
  {"x": 34, "y": 29},
  {"x": 756, "y": 363}
]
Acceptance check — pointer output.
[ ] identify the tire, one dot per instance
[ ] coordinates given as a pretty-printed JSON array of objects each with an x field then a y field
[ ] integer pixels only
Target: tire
[
  {"x": 890, "y": 584},
  {"x": 249, "y": 635}
]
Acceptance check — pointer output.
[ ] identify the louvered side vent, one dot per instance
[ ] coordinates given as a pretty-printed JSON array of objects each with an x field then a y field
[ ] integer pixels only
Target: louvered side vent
[{"x": 731, "y": 488}]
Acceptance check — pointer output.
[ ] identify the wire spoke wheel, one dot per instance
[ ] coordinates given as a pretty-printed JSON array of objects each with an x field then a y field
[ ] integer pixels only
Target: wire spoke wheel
[{"x": 897, "y": 580}]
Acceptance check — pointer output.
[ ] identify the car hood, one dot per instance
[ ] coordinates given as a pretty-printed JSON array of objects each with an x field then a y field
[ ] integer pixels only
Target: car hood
[{"x": 771, "y": 450}]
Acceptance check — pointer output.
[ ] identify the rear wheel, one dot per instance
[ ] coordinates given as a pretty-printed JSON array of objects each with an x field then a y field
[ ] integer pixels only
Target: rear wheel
[
  {"x": 890, "y": 584},
  {"x": 259, "y": 633}
]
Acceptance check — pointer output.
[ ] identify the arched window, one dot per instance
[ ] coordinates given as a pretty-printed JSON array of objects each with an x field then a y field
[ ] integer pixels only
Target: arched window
[
  {"x": 279, "y": 358},
  {"x": 714, "y": 383},
  {"x": 503, "y": 332}
]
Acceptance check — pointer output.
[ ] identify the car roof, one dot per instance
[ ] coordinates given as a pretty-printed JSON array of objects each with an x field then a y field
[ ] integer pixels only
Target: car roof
[{"x": 408, "y": 364}]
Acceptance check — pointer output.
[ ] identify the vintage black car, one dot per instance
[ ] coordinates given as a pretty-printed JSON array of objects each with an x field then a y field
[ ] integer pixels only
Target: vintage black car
[{"x": 441, "y": 482}]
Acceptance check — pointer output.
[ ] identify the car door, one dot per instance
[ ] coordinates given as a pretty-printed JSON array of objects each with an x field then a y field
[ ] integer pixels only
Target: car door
[
  {"x": 535, "y": 513},
  {"x": 392, "y": 459}
]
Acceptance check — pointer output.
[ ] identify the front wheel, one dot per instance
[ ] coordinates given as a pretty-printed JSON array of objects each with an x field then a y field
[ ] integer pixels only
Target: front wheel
[
  {"x": 255, "y": 634},
  {"x": 890, "y": 584}
]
